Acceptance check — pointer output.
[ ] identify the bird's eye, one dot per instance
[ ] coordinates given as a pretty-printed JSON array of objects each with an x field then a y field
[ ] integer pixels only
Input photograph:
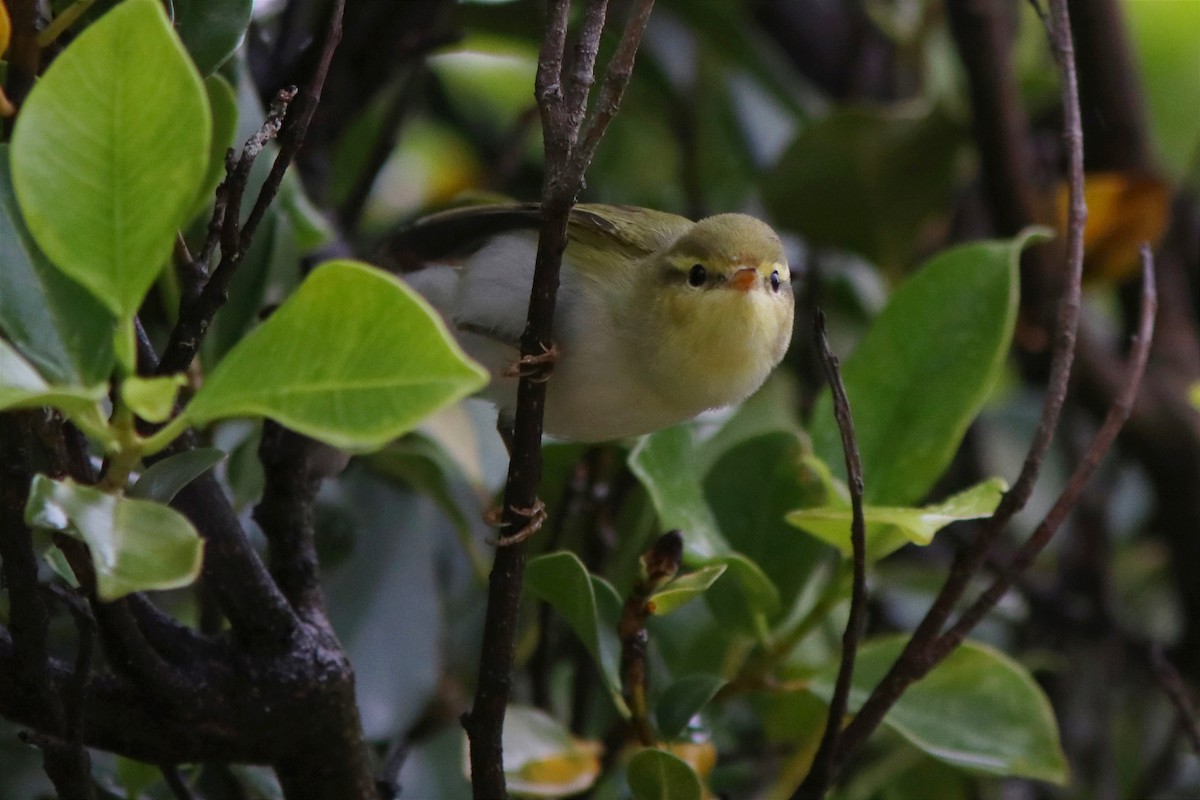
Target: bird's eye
[
  {"x": 775, "y": 281},
  {"x": 697, "y": 275}
]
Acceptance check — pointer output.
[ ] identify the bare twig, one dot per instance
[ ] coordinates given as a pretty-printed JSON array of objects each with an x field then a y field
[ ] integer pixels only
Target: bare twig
[
  {"x": 565, "y": 165},
  {"x": 917, "y": 658},
  {"x": 1172, "y": 683},
  {"x": 235, "y": 239},
  {"x": 816, "y": 784},
  {"x": 1117, "y": 414},
  {"x": 659, "y": 564}
]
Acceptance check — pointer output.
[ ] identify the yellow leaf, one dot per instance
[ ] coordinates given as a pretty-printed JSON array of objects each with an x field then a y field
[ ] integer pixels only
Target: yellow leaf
[
  {"x": 5, "y": 30},
  {"x": 1124, "y": 210}
]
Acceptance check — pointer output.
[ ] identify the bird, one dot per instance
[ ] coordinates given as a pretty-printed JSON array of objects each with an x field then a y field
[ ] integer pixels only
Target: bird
[{"x": 658, "y": 318}]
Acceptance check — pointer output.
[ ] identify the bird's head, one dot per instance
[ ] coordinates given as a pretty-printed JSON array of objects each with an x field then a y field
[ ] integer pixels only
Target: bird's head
[{"x": 723, "y": 308}]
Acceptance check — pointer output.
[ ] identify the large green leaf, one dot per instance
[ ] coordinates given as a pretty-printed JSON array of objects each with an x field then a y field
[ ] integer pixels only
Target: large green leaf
[
  {"x": 352, "y": 358},
  {"x": 923, "y": 371},
  {"x": 666, "y": 463},
  {"x": 889, "y": 528},
  {"x": 136, "y": 545},
  {"x": 109, "y": 151},
  {"x": 50, "y": 318},
  {"x": 682, "y": 700},
  {"x": 978, "y": 710},
  {"x": 22, "y": 387},
  {"x": 211, "y": 29},
  {"x": 561, "y": 580},
  {"x": 658, "y": 775},
  {"x": 867, "y": 180}
]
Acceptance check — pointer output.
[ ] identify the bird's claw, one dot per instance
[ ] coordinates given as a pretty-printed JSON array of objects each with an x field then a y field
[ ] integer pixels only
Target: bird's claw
[
  {"x": 534, "y": 367},
  {"x": 536, "y": 516}
]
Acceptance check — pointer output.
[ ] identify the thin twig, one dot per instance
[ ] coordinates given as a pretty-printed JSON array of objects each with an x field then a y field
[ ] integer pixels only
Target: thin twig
[
  {"x": 1172, "y": 684},
  {"x": 917, "y": 658},
  {"x": 235, "y": 239},
  {"x": 659, "y": 564},
  {"x": 562, "y": 183},
  {"x": 816, "y": 784},
  {"x": 1117, "y": 414}
]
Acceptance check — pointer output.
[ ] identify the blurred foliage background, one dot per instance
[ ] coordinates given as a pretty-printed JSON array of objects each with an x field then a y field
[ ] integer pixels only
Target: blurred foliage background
[{"x": 854, "y": 128}]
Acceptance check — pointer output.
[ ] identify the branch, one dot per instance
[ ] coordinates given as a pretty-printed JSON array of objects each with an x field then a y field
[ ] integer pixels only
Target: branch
[
  {"x": 1117, "y": 414},
  {"x": 658, "y": 565},
  {"x": 195, "y": 314},
  {"x": 562, "y": 183},
  {"x": 816, "y": 784},
  {"x": 1172, "y": 683},
  {"x": 917, "y": 658},
  {"x": 293, "y": 473}
]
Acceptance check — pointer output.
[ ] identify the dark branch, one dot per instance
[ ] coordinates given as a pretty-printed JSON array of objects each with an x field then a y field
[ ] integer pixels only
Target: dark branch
[
  {"x": 1172, "y": 683},
  {"x": 816, "y": 784},
  {"x": 562, "y": 183}
]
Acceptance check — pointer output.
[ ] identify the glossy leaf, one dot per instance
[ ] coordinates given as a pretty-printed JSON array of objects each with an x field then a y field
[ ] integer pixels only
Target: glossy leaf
[
  {"x": 136, "y": 545},
  {"x": 889, "y": 528},
  {"x": 684, "y": 589},
  {"x": 750, "y": 489},
  {"x": 978, "y": 710},
  {"x": 658, "y": 775},
  {"x": 55, "y": 323},
  {"x": 561, "y": 580},
  {"x": 867, "y": 180},
  {"x": 109, "y": 151},
  {"x": 665, "y": 462},
  {"x": 162, "y": 480},
  {"x": 353, "y": 358},
  {"x": 683, "y": 700},
  {"x": 744, "y": 597},
  {"x": 223, "y": 104},
  {"x": 211, "y": 29},
  {"x": 542, "y": 758},
  {"x": 152, "y": 399},
  {"x": 22, "y": 387},
  {"x": 924, "y": 369}
]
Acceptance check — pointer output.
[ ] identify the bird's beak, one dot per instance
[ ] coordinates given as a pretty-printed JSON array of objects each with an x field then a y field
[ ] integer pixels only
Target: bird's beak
[{"x": 744, "y": 278}]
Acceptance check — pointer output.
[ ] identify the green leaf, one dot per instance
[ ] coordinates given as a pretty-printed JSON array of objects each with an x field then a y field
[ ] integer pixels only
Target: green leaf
[
  {"x": 750, "y": 489},
  {"x": 923, "y": 371},
  {"x": 162, "y": 480},
  {"x": 666, "y": 464},
  {"x": 867, "y": 180},
  {"x": 22, "y": 387},
  {"x": 683, "y": 700},
  {"x": 658, "y": 775},
  {"x": 109, "y": 151},
  {"x": 353, "y": 358},
  {"x": 889, "y": 529},
  {"x": 136, "y": 777},
  {"x": 684, "y": 589},
  {"x": 978, "y": 710},
  {"x": 1169, "y": 68},
  {"x": 211, "y": 29},
  {"x": 152, "y": 399},
  {"x": 561, "y": 580},
  {"x": 744, "y": 597},
  {"x": 223, "y": 103},
  {"x": 51, "y": 319},
  {"x": 542, "y": 758},
  {"x": 136, "y": 545}
]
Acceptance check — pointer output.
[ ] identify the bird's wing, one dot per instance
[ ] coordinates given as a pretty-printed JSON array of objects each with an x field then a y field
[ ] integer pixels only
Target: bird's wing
[{"x": 634, "y": 232}]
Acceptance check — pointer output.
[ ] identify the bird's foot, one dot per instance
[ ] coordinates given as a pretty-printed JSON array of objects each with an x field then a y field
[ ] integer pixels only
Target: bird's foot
[
  {"x": 536, "y": 515},
  {"x": 535, "y": 367}
]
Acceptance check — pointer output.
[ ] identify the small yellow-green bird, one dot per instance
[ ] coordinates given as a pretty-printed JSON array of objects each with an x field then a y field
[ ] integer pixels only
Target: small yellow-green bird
[{"x": 658, "y": 317}]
